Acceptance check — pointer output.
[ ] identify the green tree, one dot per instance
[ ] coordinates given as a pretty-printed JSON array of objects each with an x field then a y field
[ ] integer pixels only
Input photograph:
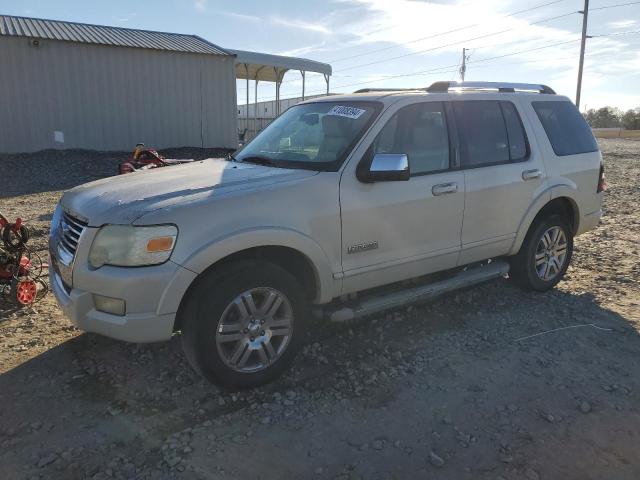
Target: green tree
[
  {"x": 605, "y": 117},
  {"x": 631, "y": 119}
]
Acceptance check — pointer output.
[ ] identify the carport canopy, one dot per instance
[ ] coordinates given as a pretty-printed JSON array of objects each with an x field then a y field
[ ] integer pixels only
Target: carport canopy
[{"x": 264, "y": 67}]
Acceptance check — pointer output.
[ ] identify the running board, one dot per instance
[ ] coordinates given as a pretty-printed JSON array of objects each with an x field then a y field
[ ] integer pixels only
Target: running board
[{"x": 380, "y": 303}]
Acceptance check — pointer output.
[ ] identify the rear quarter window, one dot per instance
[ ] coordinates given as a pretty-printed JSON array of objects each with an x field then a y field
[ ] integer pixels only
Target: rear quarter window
[{"x": 567, "y": 131}]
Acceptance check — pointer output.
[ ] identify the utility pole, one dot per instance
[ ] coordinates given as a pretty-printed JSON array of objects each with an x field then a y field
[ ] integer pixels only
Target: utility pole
[
  {"x": 463, "y": 67},
  {"x": 585, "y": 14}
]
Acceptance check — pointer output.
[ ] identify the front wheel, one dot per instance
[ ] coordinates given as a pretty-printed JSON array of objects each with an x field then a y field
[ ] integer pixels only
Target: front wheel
[
  {"x": 243, "y": 324},
  {"x": 545, "y": 254}
]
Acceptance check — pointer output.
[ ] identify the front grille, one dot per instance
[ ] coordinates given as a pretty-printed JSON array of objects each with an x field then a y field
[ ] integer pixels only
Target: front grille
[{"x": 71, "y": 229}]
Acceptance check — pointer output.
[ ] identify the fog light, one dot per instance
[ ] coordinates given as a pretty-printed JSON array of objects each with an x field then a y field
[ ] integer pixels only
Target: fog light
[{"x": 114, "y": 306}]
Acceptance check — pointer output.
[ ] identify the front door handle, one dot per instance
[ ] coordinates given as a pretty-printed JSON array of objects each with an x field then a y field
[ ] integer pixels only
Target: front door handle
[
  {"x": 444, "y": 188},
  {"x": 531, "y": 174}
]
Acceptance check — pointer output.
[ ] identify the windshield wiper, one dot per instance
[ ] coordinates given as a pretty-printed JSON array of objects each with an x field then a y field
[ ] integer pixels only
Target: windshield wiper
[{"x": 259, "y": 160}]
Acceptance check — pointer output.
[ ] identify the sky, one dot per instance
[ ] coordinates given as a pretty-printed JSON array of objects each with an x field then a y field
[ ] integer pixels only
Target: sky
[{"x": 398, "y": 43}]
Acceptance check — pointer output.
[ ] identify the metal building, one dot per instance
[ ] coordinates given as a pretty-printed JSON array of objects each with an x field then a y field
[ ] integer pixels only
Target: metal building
[{"x": 69, "y": 85}]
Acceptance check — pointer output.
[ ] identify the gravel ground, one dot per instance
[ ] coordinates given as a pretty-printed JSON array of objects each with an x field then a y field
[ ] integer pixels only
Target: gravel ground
[{"x": 491, "y": 383}]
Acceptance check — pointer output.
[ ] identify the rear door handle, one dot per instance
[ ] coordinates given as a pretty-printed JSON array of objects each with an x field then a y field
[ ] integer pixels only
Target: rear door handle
[
  {"x": 444, "y": 188},
  {"x": 531, "y": 174}
]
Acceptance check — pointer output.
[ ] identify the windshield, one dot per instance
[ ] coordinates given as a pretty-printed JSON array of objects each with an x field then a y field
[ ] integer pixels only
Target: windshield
[{"x": 316, "y": 136}]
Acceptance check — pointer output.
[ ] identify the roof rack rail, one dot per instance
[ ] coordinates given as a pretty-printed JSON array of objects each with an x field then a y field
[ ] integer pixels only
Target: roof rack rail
[
  {"x": 369, "y": 90},
  {"x": 443, "y": 87}
]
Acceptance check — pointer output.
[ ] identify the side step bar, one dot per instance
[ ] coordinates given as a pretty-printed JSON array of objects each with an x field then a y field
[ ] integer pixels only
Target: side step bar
[{"x": 380, "y": 303}]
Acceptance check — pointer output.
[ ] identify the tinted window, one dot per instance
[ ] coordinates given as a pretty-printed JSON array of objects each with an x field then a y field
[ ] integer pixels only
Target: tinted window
[
  {"x": 517, "y": 140},
  {"x": 568, "y": 132},
  {"x": 420, "y": 132},
  {"x": 482, "y": 132}
]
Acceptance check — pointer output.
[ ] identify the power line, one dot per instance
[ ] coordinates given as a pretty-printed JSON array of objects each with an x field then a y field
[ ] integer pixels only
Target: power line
[
  {"x": 453, "y": 43},
  {"x": 583, "y": 41},
  {"x": 439, "y": 34},
  {"x": 633, "y": 32},
  {"x": 439, "y": 69},
  {"x": 456, "y": 66},
  {"x": 403, "y": 44},
  {"x": 443, "y": 69},
  {"x": 476, "y": 38},
  {"x": 614, "y": 6},
  {"x": 449, "y": 44}
]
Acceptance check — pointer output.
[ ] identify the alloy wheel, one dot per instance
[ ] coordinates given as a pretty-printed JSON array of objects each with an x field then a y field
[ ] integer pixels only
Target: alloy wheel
[
  {"x": 551, "y": 253},
  {"x": 254, "y": 329}
]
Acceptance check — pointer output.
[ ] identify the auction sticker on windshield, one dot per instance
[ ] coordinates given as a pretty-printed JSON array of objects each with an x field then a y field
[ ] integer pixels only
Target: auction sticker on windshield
[{"x": 344, "y": 111}]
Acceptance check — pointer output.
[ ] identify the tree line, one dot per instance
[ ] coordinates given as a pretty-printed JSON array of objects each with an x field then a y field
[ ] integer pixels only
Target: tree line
[{"x": 612, "y": 117}]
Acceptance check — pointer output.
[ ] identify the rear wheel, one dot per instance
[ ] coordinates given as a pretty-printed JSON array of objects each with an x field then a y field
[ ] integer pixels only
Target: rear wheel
[
  {"x": 545, "y": 254},
  {"x": 243, "y": 324}
]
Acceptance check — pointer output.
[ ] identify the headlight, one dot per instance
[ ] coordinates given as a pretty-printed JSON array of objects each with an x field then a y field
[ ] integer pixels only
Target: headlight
[{"x": 131, "y": 246}]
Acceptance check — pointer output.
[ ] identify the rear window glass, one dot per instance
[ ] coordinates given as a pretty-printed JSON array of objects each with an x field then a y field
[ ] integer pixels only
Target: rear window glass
[{"x": 567, "y": 131}]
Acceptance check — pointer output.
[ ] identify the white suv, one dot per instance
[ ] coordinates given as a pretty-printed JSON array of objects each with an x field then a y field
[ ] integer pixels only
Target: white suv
[{"x": 336, "y": 204}]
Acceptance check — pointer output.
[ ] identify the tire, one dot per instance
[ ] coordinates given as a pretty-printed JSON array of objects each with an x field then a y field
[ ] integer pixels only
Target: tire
[
  {"x": 524, "y": 270},
  {"x": 231, "y": 316}
]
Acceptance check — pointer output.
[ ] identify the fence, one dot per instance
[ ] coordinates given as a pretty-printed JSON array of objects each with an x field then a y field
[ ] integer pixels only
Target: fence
[{"x": 252, "y": 126}]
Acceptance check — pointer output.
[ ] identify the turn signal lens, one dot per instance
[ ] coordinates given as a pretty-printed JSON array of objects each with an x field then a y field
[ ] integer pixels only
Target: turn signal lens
[{"x": 160, "y": 244}]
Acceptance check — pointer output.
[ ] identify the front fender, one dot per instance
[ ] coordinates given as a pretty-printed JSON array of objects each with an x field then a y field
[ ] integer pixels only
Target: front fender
[{"x": 222, "y": 247}]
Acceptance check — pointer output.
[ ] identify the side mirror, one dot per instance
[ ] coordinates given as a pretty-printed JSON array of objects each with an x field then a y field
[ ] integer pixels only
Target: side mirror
[{"x": 385, "y": 167}]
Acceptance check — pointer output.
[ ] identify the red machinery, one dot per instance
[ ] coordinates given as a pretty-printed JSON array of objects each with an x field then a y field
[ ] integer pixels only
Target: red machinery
[
  {"x": 21, "y": 269},
  {"x": 145, "y": 158}
]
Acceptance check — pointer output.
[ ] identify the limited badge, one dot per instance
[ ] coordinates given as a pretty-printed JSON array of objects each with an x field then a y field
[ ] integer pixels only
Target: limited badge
[{"x": 362, "y": 247}]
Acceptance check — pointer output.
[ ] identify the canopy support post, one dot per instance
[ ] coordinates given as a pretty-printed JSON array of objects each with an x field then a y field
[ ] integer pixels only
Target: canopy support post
[
  {"x": 255, "y": 101},
  {"x": 326, "y": 79},
  {"x": 246, "y": 69},
  {"x": 255, "y": 108},
  {"x": 278, "y": 83},
  {"x": 303, "y": 73}
]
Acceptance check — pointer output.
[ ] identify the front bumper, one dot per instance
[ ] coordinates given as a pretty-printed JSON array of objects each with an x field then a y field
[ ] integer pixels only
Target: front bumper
[
  {"x": 152, "y": 296},
  {"x": 78, "y": 306}
]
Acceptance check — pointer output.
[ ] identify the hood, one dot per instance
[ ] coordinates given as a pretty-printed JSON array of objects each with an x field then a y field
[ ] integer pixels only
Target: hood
[{"x": 124, "y": 198}]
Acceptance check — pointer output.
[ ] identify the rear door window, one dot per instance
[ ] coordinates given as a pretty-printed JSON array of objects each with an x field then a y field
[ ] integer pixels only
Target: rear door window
[
  {"x": 567, "y": 131},
  {"x": 490, "y": 133},
  {"x": 482, "y": 133}
]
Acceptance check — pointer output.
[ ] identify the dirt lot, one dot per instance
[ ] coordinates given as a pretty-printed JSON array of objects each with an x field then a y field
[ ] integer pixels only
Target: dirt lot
[
  {"x": 617, "y": 133},
  {"x": 463, "y": 388}
]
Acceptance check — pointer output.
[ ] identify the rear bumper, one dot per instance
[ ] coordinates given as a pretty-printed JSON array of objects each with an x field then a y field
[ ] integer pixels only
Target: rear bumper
[{"x": 589, "y": 222}]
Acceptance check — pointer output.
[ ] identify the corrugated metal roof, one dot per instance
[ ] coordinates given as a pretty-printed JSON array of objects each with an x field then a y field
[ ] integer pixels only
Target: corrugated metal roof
[
  {"x": 103, "y": 35},
  {"x": 255, "y": 63}
]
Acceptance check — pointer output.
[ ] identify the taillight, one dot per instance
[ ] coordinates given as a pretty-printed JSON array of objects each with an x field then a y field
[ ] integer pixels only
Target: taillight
[{"x": 602, "y": 184}]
